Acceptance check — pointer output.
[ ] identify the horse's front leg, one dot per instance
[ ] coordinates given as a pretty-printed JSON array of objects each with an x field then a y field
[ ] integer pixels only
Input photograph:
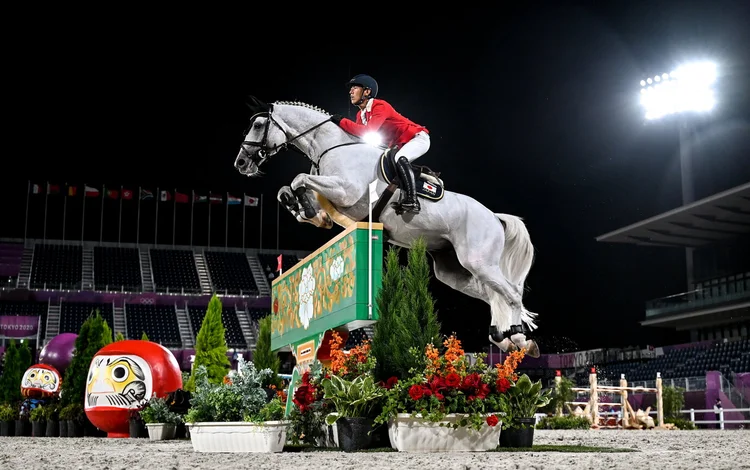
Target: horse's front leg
[
  {"x": 339, "y": 191},
  {"x": 288, "y": 199}
]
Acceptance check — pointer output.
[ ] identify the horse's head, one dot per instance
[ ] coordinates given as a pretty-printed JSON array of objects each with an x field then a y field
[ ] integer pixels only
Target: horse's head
[{"x": 263, "y": 139}]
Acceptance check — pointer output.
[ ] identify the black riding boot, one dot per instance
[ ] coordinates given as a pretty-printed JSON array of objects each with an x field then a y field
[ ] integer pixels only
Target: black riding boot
[{"x": 409, "y": 201}]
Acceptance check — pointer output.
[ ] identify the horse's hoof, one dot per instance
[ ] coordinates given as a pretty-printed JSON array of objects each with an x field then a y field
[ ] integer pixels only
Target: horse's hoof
[{"x": 532, "y": 349}]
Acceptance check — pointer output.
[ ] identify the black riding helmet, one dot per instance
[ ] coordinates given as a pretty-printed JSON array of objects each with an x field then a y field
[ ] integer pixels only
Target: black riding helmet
[{"x": 365, "y": 81}]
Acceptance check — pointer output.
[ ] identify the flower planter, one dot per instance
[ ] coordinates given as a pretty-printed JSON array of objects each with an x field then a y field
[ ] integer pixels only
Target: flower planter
[
  {"x": 7, "y": 428},
  {"x": 522, "y": 436},
  {"x": 38, "y": 428},
  {"x": 23, "y": 427},
  {"x": 161, "y": 431},
  {"x": 75, "y": 428},
  {"x": 52, "y": 429},
  {"x": 354, "y": 433},
  {"x": 269, "y": 436},
  {"x": 409, "y": 434},
  {"x": 137, "y": 429}
]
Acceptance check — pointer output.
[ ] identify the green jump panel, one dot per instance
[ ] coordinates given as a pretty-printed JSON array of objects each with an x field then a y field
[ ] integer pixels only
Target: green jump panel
[{"x": 328, "y": 289}]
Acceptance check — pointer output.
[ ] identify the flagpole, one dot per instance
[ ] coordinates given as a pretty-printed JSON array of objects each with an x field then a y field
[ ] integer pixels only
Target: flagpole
[
  {"x": 260, "y": 245},
  {"x": 192, "y": 207},
  {"x": 101, "y": 216},
  {"x": 83, "y": 213},
  {"x": 278, "y": 209},
  {"x": 244, "y": 211},
  {"x": 157, "y": 197},
  {"x": 46, "y": 196},
  {"x": 26, "y": 219},
  {"x": 138, "y": 218},
  {"x": 174, "y": 214},
  {"x": 226, "y": 223},
  {"x": 210, "y": 203},
  {"x": 65, "y": 208},
  {"x": 119, "y": 220}
]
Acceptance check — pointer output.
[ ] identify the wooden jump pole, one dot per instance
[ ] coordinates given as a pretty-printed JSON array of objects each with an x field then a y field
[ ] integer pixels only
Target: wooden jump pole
[
  {"x": 624, "y": 401},
  {"x": 558, "y": 384}
]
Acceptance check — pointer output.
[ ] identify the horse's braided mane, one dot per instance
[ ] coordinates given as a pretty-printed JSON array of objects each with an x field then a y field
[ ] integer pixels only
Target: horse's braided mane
[{"x": 304, "y": 105}]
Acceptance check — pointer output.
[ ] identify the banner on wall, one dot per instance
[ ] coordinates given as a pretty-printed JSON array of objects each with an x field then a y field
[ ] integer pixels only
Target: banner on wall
[{"x": 19, "y": 326}]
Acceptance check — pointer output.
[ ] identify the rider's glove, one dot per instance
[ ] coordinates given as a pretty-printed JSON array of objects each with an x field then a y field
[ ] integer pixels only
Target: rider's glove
[{"x": 336, "y": 119}]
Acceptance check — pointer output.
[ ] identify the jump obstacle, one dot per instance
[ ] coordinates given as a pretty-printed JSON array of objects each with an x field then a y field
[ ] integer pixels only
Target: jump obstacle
[
  {"x": 629, "y": 417},
  {"x": 331, "y": 289}
]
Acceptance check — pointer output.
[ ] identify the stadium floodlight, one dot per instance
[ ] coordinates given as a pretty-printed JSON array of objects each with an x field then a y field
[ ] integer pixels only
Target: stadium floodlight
[{"x": 689, "y": 88}]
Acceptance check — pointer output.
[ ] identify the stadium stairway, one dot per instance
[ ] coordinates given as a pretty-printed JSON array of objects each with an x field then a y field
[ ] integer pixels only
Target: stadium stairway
[
  {"x": 186, "y": 331},
  {"x": 24, "y": 273},
  {"x": 264, "y": 290},
  {"x": 120, "y": 324},
  {"x": 53, "y": 322},
  {"x": 147, "y": 275},
  {"x": 203, "y": 275},
  {"x": 247, "y": 329}
]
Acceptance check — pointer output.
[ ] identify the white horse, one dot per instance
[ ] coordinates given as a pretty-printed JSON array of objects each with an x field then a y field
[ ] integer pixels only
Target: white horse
[{"x": 475, "y": 251}]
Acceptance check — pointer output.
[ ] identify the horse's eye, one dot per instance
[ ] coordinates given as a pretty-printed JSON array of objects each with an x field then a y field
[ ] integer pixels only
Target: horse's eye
[{"x": 257, "y": 125}]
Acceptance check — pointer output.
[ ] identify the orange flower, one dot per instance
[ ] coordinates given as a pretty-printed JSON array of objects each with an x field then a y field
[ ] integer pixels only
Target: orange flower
[
  {"x": 227, "y": 380},
  {"x": 508, "y": 368}
]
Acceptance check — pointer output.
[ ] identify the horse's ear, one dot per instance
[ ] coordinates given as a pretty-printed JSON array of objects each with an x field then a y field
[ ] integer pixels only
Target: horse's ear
[{"x": 257, "y": 105}]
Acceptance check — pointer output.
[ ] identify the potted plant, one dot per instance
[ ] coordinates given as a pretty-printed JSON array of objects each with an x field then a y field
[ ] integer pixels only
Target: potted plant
[
  {"x": 524, "y": 398},
  {"x": 136, "y": 425},
  {"x": 353, "y": 401},
  {"x": 23, "y": 425},
  {"x": 447, "y": 404},
  {"x": 307, "y": 418},
  {"x": 71, "y": 417},
  {"x": 160, "y": 421},
  {"x": 51, "y": 416},
  {"x": 38, "y": 421},
  {"x": 233, "y": 416},
  {"x": 8, "y": 415}
]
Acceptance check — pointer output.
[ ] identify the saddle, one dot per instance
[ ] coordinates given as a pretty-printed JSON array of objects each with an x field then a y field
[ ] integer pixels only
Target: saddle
[{"x": 428, "y": 183}]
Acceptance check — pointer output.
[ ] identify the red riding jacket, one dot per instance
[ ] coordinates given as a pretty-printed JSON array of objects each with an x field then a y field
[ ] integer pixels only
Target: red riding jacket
[{"x": 380, "y": 116}]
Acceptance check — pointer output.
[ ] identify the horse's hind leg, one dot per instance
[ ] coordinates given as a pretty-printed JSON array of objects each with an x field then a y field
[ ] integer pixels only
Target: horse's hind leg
[
  {"x": 449, "y": 271},
  {"x": 480, "y": 255}
]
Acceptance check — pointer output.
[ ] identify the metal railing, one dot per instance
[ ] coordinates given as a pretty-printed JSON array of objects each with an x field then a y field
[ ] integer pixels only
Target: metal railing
[{"x": 717, "y": 291}]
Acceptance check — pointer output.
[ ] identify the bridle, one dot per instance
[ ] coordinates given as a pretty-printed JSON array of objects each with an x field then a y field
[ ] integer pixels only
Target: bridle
[{"x": 265, "y": 151}]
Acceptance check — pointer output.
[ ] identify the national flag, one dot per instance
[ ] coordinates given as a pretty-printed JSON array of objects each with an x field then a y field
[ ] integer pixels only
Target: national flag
[
  {"x": 165, "y": 196},
  {"x": 127, "y": 194},
  {"x": 199, "y": 198},
  {"x": 91, "y": 192},
  {"x": 72, "y": 190},
  {"x": 216, "y": 198},
  {"x": 181, "y": 198},
  {"x": 36, "y": 189},
  {"x": 251, "y": 201},
  {"x": 232, "y": 200},
  {"x": 279, "y": 259},
  {"x": 112, "y": 193},
  {"x": 53, "y": 188},
  {"x": 430, "y": 188},
  {"x": 146, "y": 194}
]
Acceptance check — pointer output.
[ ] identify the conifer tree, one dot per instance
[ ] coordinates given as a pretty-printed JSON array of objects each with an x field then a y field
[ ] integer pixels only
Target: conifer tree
[
  {"x": 418, "y": 298},
  {"x": 211, "y": 346},
  {"x": 144, "y": 337},
  {"x": 10, "y": 381},
  {"x": 91, "y": 338},
  {"x": 263, "y": 356},
  {"x": 119, "y": 336},
  {"x": 391, "y": 343}
]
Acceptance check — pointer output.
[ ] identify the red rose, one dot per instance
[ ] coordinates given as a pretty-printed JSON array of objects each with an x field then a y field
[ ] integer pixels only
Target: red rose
[
  {"x": 503, "y": 384},
  {"x": 391, "y": 382},
  {"x": 452, "y": 380},
  {"x": 416, "y": 392},
  {"x": 492, "y": 420},
  {"x": 472, "y": 381}
]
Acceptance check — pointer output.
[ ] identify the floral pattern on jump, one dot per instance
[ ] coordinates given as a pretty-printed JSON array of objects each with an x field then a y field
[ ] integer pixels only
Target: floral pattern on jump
[{"x": 315, "y": 288}]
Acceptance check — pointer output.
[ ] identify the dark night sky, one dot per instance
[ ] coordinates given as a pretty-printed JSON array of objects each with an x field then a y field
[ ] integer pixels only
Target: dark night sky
[{"x": 532, "y": 110}]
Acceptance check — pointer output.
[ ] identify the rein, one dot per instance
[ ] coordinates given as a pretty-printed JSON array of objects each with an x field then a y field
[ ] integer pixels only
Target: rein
[{"x": 265, "y": 151}]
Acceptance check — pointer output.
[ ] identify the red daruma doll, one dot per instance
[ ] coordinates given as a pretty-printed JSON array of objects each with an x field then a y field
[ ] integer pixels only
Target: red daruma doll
[
  {"x": 122, "y": 377},
  {"x": 41, "y": 381}
]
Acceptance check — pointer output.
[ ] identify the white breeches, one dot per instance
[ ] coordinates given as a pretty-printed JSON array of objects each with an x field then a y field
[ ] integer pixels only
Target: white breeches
[{"x": 415, "y": 148}]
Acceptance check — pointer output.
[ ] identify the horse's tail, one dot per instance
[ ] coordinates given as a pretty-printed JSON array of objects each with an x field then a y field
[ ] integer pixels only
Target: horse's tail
[{"x": 517, "y": 257}]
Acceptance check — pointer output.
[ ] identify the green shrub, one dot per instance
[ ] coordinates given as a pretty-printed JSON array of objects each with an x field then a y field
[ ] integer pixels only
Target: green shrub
[{"x": 563, "y": 422}]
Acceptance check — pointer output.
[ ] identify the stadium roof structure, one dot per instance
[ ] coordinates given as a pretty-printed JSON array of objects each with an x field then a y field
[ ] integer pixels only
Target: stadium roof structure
[{"x": 719, "y": 217}]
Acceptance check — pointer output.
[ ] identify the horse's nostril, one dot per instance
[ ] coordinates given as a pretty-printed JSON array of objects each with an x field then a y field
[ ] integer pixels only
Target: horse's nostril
[{"x": 241, "y": 162}]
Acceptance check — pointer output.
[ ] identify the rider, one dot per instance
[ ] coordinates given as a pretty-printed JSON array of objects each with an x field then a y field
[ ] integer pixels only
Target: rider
[{"x": 378, "y": 115}]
